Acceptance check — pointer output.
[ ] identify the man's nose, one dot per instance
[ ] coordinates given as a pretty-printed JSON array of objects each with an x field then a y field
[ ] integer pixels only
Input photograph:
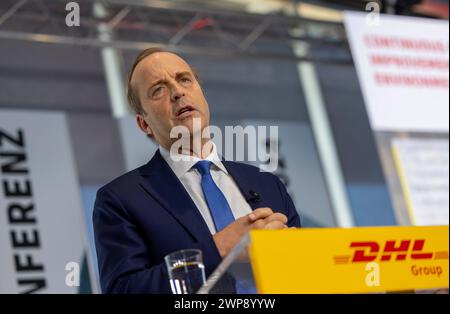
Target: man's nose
[{"x": 177, "y": 92}]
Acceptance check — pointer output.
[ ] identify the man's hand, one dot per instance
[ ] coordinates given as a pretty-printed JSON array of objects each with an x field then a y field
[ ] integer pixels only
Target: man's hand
[
  {"x": 265, "y": 218},
  {"x": 261, "y": 218}
]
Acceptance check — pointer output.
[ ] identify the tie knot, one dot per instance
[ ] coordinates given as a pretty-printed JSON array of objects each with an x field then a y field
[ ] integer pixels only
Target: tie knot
[{"x": 203, "y": 166}]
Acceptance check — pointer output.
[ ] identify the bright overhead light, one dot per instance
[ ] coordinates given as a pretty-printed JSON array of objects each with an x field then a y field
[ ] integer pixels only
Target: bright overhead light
[
  {"x": 261, "y": 6},
  {"x": 316, "y": 12},
  {"x": 306, "y": 10}
]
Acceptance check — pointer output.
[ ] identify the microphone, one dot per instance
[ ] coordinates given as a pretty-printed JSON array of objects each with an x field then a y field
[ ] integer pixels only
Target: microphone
[{"x": 254, "y": 196}]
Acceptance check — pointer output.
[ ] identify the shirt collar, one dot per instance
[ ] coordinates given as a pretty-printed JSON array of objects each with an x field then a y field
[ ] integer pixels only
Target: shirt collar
[{"x": 180, "y": 164}]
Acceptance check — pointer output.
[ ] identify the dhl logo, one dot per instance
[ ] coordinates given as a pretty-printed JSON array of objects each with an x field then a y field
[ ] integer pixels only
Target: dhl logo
[{"x": 370, "y": 251}]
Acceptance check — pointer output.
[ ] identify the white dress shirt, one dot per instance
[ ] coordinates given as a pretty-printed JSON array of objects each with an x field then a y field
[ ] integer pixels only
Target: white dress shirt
[{"x": 191, "y": 180}]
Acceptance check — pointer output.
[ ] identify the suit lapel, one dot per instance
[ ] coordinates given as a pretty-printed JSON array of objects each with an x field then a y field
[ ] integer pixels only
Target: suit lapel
[
  {"x": 243, "y": 183},
  {"x": 166, "y": 188}
]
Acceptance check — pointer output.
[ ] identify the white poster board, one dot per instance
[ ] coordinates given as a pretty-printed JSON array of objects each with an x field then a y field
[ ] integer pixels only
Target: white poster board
[
  {"x": 42, "y": 233},
  {"x": 423, "y": 170},
  {"x": 403, "y": 68}
]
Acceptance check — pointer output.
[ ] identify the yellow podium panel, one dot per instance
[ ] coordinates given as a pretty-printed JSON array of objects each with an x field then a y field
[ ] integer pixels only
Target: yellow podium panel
[{"x": 350, "y": 260}]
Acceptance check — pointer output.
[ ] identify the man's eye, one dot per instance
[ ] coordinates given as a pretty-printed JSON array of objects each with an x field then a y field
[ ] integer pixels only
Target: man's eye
[
  {"x": 185, "y": 80},
  {"x": 157, "y": 91}
]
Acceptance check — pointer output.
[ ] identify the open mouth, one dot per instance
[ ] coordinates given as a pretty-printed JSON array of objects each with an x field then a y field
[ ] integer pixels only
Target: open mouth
[{"x": 184, "y": 111}]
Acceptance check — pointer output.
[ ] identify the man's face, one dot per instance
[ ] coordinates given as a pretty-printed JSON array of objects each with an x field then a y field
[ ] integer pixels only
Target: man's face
[{"x": 170, "y": 96}]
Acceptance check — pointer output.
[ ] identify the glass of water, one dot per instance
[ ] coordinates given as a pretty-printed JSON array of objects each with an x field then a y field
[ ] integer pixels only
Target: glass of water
[{"x": 186, "y": 271}]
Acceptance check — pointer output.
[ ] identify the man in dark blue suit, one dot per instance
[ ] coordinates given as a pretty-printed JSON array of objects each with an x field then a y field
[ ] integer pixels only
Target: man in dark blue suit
[{"x": 169, "y": 204}]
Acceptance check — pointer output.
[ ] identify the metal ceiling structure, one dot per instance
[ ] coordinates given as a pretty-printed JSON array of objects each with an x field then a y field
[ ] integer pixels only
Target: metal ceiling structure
[{"x": 216, "y": 28}]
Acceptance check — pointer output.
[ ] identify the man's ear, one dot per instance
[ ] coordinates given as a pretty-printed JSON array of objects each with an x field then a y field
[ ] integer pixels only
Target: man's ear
[{"x": 143, "y": 125}]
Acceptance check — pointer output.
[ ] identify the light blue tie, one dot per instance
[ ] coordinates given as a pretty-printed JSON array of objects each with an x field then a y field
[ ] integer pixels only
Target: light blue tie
[{"x": 217, "y": 203}]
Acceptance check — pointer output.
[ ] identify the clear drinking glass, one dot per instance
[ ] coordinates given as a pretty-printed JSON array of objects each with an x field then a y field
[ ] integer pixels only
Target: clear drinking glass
[{"x": 186, "y": 271}]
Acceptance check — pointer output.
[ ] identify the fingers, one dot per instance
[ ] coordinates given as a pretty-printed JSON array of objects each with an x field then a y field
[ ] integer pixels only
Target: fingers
[
  {"x": 276, "y": 224},
  {"x": 277, "y": 216},
  {"x": 259, "y": 224},
  {"x": 259, "y": 213}
]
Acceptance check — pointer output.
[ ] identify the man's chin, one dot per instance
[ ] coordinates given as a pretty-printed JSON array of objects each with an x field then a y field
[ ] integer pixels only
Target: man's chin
[{"x": 193, "y": 123}]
